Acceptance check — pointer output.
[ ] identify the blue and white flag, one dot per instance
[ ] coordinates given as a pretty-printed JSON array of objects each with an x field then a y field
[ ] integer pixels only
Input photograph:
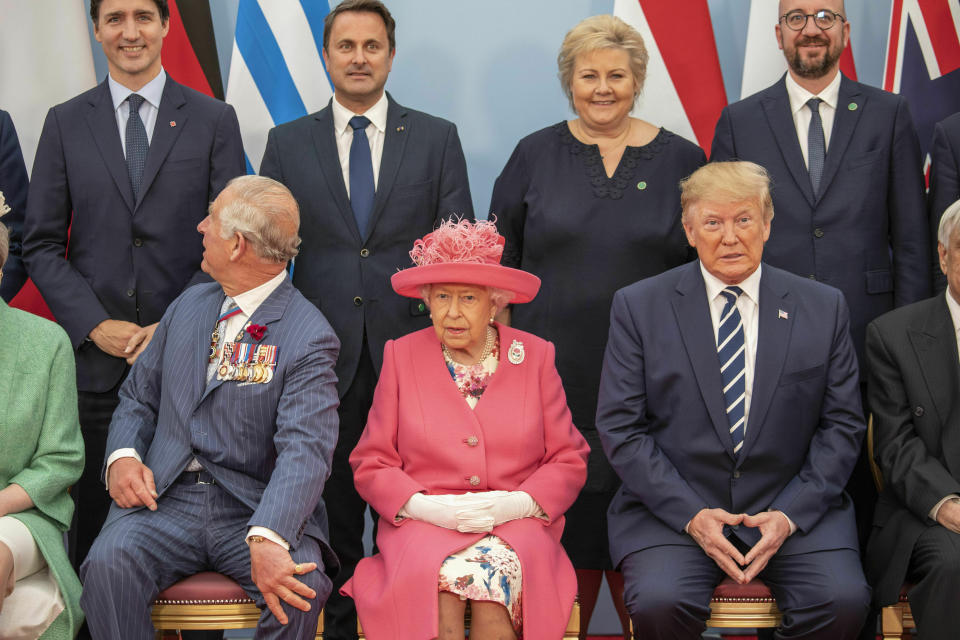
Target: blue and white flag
[{"x": 276, "y": 71}]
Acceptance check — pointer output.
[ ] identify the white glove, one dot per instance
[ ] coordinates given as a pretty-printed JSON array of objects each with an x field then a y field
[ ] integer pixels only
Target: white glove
[
  {"x": 441, "y": 510},
  {"x": 504, "y": 507}
]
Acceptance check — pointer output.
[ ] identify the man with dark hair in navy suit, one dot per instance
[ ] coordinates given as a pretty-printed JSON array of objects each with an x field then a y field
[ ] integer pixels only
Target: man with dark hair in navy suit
[
  {"x": 128, "y": 169},
  {"x": 371, "y": 177},
  {"x": 729, "y": 406},
  {"x": 222, "y": 441}
]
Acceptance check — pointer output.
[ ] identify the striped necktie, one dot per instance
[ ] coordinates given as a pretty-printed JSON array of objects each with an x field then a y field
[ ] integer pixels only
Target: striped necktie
[
  {"x": 227, "y": 311},
  {"x": 731, "y": 351}
]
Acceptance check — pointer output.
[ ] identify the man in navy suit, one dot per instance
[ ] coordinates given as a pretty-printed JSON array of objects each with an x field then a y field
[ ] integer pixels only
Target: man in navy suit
[
  {"x": 944, "y": 183},
  {"x": 128, "y": 185},
  {"x": 729, "y": 406},
  {"x": 366, "y": 195},
  {"x": 848, "y": 186},
  {"x": 224, "y": 434},
  {"x": 13, "y": 185}
]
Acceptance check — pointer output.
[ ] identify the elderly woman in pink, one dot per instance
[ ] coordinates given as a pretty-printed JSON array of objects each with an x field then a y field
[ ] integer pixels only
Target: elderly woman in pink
[{"x": 470, "y": 458}]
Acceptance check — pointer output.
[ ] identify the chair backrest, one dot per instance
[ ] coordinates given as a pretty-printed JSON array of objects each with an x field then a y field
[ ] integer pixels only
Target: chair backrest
[{"x": 872, "y": 455}]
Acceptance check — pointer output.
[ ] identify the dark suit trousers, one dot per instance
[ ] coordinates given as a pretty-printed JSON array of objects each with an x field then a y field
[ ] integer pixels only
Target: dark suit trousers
[
  {"x": 89, "y": 494},
  {"x": 668, "y": 589},
  {"x": 196, "y": 527},
  {"x": 935, "y": 568},
  {"x": 345, "y": 508}
]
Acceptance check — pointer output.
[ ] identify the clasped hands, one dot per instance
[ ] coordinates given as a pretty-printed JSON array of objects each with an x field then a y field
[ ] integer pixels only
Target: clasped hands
[
  {"x": 122, "y": 339},
  {"x": 706, "y": 528},
  {"x": 471, "y": 512}
]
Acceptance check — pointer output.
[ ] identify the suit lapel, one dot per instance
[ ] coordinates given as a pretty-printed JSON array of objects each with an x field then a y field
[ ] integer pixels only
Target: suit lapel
[
  {"x": 269, "y": 311},
  {"x": 103, "y": 123},
  {"x": 328, "y": 157},
  {"x": 935, "y": 345},
  {"x": 773, "y": 340},
  {"x": 692, "y": 313},
  {"x": 776, "y": 107},
  {"x": 844, "y": 123},
  {"x": 394, "y": 143},
  {"x": 164, "y": 134}
]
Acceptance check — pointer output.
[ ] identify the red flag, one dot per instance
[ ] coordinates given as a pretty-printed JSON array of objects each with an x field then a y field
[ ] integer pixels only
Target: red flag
[{"x": 684, "y": 87}]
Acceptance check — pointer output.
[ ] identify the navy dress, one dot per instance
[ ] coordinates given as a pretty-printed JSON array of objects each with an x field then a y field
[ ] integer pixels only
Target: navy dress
[{"x": 586, "y": 235}]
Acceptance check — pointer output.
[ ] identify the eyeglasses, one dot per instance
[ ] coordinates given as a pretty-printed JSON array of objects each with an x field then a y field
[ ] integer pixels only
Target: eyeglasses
[{"x": 797, "y": 20}]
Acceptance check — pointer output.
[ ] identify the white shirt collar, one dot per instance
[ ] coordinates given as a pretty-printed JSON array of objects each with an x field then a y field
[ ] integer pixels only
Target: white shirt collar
[
  {"x": 250, "y": 300},
  {"x": 799, "y": 96},
  {"x": 750, "y": 285},
  {"x": 151, "y": 92},
  {"x": 954, "y": 308},
  {"x": 377, "y": 114}
]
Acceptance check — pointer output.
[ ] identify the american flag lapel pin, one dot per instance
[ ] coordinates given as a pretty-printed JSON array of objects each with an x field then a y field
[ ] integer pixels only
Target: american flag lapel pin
[{"x": 783, "y": 315}]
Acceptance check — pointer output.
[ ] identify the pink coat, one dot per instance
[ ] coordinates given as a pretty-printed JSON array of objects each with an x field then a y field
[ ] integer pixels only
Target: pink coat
[{"x": 422, "y": 436}]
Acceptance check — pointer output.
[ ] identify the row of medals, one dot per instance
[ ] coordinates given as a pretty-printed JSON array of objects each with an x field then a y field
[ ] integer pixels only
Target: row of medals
[{"x": 257, "y": 368}]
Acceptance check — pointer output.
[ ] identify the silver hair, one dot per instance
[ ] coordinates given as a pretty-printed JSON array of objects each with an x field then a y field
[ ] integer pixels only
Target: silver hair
[
  {"x": 257, "y": 211},
  {"x": 499, "y": 297},
  {"x": 948, "y": 223}
]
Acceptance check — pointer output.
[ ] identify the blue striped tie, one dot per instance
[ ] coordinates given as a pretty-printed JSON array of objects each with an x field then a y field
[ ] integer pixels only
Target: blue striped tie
[
  {"x": 816, "y": 145},
  {"x": 137, "y": 144},
  {"x": 361, "y": 174},
  {"x": 730, "y": 349}
]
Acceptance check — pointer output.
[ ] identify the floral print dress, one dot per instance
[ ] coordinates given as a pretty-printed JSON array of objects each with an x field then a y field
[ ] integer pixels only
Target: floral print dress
[{"x": 489, "y": 569}]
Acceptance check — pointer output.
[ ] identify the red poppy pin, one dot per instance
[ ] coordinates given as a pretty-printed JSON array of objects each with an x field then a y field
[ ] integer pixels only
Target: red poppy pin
[{"x": 256, "y": 331}]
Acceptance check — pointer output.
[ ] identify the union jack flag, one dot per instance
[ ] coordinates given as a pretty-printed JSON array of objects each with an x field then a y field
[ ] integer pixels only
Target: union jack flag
[{"x": 923, "y": 61}]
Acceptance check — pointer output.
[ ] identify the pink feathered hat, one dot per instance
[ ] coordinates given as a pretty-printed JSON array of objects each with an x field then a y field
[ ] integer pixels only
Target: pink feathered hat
[{"x": 464, "y": 253}]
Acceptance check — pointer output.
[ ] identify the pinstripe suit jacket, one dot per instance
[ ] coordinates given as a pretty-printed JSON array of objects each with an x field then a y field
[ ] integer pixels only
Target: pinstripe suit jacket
[{"x": 269, "y": 444}]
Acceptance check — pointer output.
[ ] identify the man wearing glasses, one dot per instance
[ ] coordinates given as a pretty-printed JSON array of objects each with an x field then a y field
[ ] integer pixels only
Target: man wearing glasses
[{"x": 844, "y": 159}]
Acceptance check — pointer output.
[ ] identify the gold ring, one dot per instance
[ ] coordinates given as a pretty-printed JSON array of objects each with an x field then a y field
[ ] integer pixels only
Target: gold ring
[{"x": 298, "y": 568}]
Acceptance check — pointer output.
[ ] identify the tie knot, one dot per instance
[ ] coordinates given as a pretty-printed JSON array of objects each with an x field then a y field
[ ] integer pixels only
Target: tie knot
[
  {"x": 814, "y": 105},
  {"x": 135, "y": 100},
  {"x": 731, "y": 293},
  {"x": 359, "y": 122}
]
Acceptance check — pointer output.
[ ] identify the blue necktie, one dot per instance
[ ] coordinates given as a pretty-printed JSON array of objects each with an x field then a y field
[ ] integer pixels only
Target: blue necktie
[
  {"x": 137, "y": 144},
  {"x": 816, "y": 145},
  {"x": 361, "y": 174},
  {"x": 730, "y": 349}
]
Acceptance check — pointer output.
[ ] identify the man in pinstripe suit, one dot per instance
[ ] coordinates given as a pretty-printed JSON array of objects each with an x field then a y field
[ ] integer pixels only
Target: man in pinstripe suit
[{"x": 222, "y": 442}]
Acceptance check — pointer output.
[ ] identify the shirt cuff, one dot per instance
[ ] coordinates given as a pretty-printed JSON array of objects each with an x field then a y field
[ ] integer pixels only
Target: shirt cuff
[
  {"x": 936, "y": 507},
  {"x": 793, "y": 525},
  {"x": 269, "y": 534},
  {"x": 116, "y": 455}
]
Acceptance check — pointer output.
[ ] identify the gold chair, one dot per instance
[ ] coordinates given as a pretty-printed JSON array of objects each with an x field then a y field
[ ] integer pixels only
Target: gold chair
[
  {"x": 741, "y": 606},
  {"x": 206, "y": 600},
  {"x": 572, "y": 631},
  {"x": 895, "y": 619},
  {"x": 748, "y": 605}
]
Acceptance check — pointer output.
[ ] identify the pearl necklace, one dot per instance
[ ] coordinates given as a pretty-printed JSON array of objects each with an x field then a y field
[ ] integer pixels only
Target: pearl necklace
[{"x": 487, "y": 349}]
